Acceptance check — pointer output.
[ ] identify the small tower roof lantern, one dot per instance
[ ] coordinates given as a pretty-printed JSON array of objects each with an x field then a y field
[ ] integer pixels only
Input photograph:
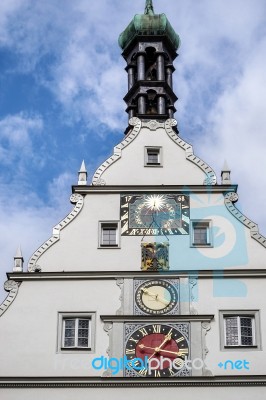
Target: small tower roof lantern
[{"x": 149, "y": 24}]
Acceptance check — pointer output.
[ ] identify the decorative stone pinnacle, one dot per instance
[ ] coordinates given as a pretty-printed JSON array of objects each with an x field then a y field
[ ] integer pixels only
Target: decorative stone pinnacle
[
  {"x": 225, "y": 167},
  {"x": 226, "y": 174},
  {"x": 18, "y": 253},
  {"x": 149, "y": 8},
  {"x": 83, "y": 167},
  {"x": 82, "y": 175},
  {"x": 18, "y": 261}
]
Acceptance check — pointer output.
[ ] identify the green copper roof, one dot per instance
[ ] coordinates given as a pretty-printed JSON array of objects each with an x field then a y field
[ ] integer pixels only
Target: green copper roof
[{"x": 149, "y": 24}]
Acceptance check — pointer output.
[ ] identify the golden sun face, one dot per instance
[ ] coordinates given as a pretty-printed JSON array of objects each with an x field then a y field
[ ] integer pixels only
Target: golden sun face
[{"x": 155, "y": 202}]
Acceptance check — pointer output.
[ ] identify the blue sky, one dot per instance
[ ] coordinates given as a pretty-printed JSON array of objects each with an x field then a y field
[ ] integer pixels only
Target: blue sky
[{"x": 62, "y": 82}]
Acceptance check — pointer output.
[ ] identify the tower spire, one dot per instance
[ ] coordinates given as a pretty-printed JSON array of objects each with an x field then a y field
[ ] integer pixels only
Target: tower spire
[
  {"x": 149, "y": 45},
  {"x": 149, "y": 8}
]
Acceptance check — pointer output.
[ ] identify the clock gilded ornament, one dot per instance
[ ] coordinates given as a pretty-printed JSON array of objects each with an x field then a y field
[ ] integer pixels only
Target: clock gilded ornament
[
  {"x": 156, "y": 296},
  {"x": 154, "y": 341},
  {"x": 154, "y": 214}
]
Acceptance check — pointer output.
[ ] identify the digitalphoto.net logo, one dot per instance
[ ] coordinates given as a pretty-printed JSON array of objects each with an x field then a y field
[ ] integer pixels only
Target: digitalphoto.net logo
[
  {"x": 115, "y": 365},
  {"x": 226, "y": 246}
]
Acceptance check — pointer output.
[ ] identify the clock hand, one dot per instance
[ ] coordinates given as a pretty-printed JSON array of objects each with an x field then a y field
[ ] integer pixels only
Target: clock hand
[
  {"x": 156, "y": 296},
  {"x": 177, "y": 353},
  {"x": 149, "y": 293},
  {"x": 142, "y": 346},
  {"x": 167, "y": 338},
  {"x": 161, "y": 300}
]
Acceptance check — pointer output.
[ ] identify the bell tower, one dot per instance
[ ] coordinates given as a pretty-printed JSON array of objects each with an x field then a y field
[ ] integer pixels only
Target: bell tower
[{"x": 149, "y": 45}]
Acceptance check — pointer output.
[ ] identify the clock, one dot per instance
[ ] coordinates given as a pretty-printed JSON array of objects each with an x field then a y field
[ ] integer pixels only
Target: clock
[
  {"x": 157, "y": 341},
  {"x": 156, "y": 296},
  {"x": 154, "y": 214}
]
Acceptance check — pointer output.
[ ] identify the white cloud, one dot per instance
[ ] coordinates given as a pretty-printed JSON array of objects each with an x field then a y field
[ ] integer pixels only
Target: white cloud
[
  {"x": 237, "y": 132},
  {"x": 216, "y": 38},
  {"x": 16, "y": 135},
  {"x": 7, "y": 9},
  {"x": 59, "y": 189},
  {"x": 27, "y": 220},
  {"x": 80, "y": 44}
]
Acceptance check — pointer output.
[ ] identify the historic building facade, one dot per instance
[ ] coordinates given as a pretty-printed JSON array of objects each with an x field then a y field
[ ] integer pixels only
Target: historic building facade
[{"x": 154, "y": 283}]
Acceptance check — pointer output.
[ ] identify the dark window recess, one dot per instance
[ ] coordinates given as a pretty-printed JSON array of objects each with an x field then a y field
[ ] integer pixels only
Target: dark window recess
[
  {"x": 109, "y": 235},
  {"x": 200, "y": 235},
  {"x": 153, "y": 157}
]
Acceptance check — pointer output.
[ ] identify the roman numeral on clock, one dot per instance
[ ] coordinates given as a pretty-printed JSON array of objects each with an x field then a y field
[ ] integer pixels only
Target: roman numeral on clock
[
  {"x": 133, "y": 340},
  {"x": 143, "y": 372},
  {"x": 144, "y": 332},
  {"x": 130, "y": 351},
  {"x": 171, "y": 372},
  {"x": 183, "y": 351},
  {"x": 156, "y": 328}
]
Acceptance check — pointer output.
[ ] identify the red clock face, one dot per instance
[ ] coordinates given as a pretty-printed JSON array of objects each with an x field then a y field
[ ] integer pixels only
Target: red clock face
[{"x": 154, "y": 342}]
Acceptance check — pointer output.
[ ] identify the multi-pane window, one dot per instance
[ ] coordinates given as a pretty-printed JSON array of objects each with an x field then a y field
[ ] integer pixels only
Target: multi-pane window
[
  {"x": 109, "y": 234},
  {"x": 153, "y": 156},
  {"x": 239, "y": 331},
  {"x": 76, "y": 333},
  {"x": 201, "y": 233}
]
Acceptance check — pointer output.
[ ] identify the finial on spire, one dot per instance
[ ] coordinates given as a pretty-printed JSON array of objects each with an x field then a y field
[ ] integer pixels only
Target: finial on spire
[
  {"x": 149, "y": 8},
  {"x": 18, "y": 261},
  {"x": 82, "y": 174}
]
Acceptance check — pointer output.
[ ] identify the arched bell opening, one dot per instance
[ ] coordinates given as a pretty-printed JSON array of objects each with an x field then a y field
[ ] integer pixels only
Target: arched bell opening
[
  {"x": 151, "y": 102},
  {"x": 151, "y": 64}
]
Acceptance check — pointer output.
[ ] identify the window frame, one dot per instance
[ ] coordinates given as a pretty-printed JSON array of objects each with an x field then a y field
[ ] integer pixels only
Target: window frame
[
  {"x": 117, "y": 225},
  {"x": 76, "y": 329},
  {"x": 62, "y": 317},
  {"x": 256, "y": 336},
  {"x": 158, "y": 150},
  {"x": 201, "y": 223}
]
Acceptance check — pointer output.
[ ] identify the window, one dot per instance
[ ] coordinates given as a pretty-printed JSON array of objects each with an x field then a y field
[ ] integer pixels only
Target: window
[
  {"x": 240, "y": 329},
  {"x": 109, "y": 234},
  {"x": 201, "y": 235},
  {"x": 153, "y": 156},
  {"x": 76, "y": 332}
]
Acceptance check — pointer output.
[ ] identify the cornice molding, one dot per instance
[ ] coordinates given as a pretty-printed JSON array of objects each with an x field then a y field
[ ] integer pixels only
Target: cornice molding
[
  {"x": 114, "y": 275},
  {"x": 136, "y": 123},
  {"x": 12, "y": 287},
  {"x": 229, "y": 200},
  {"x": 156, "y": 318},
  {"x": 154, "y": 188},
  {"x": 109, "y": 382},
  {"x": 210, "y": 174},
  {"x": 76, "y": 199}
]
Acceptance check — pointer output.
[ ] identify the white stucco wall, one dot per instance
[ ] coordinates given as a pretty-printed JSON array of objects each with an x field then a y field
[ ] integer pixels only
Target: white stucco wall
[
  {"x": 130, "y": 169},
  {"x": 77, "y": 249},
  {"x": 29, "y": 328}
]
